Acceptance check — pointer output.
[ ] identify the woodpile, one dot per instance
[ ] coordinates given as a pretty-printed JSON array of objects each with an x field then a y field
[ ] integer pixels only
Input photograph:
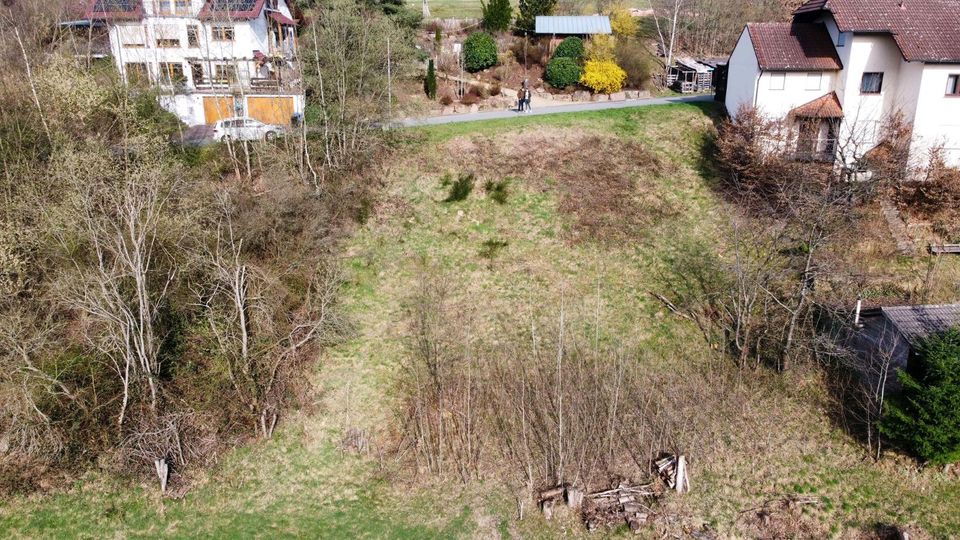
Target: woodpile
[
  {"x": 622, "y": 504},
  {"x": 565, "y": 494},
  {"x": 673, "y": 471}
]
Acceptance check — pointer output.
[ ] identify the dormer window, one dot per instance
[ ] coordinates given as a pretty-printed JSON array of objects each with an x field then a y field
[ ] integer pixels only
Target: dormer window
[{"x": 841, "y": 39}]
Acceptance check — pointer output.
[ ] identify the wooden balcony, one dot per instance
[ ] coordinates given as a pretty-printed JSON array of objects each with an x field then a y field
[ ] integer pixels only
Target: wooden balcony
[{"x": 254, "y": 85}]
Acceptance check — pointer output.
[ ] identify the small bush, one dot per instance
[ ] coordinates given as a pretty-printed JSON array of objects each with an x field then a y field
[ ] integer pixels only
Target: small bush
[
  {"x": 571, "y": 47},
  {"x": 446, "y": 99},
  {"x": 925, "y": 417},
  {"x": 605, "y": 77},
  {"x": 636, "y": 60},
  {"x": 601, "y": 48},
  {"x": 470, "y": 99},
  {"x": 496, "y": 15},
  {"x": 479, "y": 52},
  {"x": 461, "y": 188},
  {"x": 495, "y": 90},
  {"x": 536, "y": 53},
  {"x": 479, "y": 90},
  {"x": 563, "y": 72},
  {"x": 498, "y": 191},
  {"x": 492, "y": 248}
]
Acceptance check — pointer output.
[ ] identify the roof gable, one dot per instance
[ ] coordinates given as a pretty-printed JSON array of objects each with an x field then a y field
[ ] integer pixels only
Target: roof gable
[
  {"x": 793, "y": 47},
  {"x": 925, "y": 30}
]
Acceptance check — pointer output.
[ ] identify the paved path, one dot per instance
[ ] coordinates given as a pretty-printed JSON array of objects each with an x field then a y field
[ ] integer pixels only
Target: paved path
[{"x": 568, "y": 107}]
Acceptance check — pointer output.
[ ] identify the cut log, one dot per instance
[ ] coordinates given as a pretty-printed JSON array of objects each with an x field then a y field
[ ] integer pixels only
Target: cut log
[
  {"x": 551, "y": 493},
  {"x": 574, "y": 497}
]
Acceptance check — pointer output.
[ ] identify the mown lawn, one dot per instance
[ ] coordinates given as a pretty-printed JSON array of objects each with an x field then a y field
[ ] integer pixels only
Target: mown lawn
[{"x": 595, "y": 202}]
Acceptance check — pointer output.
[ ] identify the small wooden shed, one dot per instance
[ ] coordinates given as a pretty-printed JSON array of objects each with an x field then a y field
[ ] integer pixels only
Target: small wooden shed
[
  {"x": 688, "y": 75},
  {"x": 885, "y": 338}
]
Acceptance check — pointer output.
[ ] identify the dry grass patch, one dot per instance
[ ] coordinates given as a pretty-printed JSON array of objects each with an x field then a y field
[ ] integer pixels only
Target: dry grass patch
[{"x": 610, "y": 186}]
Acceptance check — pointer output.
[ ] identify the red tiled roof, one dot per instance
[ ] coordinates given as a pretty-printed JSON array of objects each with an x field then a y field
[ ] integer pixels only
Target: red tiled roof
[
  {"x": 228, "y": 10},
  {"x": 826, "y": 106},
  {"x": 925, "y": 30},
  {"x": 115, "y": 9},
  {"x": 793, "y": 46},
  {"x": 282, "y": 19}
]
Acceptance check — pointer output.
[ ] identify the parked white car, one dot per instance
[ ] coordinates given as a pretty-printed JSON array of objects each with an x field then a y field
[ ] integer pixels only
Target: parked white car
[{"x": 244, "y": 129}]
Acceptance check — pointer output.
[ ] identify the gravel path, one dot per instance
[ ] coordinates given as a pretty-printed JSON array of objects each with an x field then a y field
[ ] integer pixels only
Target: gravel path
[{"x": 564, "y": 108}]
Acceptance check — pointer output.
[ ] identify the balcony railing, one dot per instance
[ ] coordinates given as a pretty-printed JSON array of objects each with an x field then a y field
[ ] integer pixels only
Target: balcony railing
[{"x": 253, "y": 85}]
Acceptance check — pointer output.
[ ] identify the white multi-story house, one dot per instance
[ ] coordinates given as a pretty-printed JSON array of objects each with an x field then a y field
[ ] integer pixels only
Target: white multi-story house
[
  {"x": 843, "y": 68},
  {"x": 212, "y": 59}
]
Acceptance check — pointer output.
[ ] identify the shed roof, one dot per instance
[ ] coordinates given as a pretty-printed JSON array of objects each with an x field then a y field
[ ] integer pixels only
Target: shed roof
[
  {"x": 924, "y": 30},
  {"x": 919, "y": 322},
  {"x": 699, "y": 67},
  {"x": 793, "y": 47},
  {"x": 568, "y": 25}
]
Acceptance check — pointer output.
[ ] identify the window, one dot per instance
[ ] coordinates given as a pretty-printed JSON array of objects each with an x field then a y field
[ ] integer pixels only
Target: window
[
  {"x": 222, "y": 33},
  {"x": 168, "y": 36},
  {"x": 225, "y": 72},
  {"x": 778, "y": 81},
  {"x": 193, "y": 36},
  {"x": 841, "y": 39},
  {"x": 173, "y": 7},
  {"x": 813, "y": 80},
  {"x": 953, "y": 85},
  {"x": 131, "y": 36},
  {"x": 172, "y": 72},
  {"x": 871, "y": 83},
  {"x": 137, "y": 73}
]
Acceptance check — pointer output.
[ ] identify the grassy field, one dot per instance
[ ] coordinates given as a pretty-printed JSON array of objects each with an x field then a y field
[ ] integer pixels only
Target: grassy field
[
  {"x": 595, "y": 201},
  {"x": 464, "y": 9}
]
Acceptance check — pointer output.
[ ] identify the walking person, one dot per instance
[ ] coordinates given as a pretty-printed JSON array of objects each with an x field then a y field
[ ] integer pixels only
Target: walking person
[
  {"x": 527, "y": 96},
  {"x": 520, "y": 96}
]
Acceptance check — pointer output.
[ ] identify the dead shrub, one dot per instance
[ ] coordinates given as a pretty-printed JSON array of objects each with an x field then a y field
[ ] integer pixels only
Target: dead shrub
[
  {"x": 446, "y": 99},
  {"x": 470, "y": 99}
]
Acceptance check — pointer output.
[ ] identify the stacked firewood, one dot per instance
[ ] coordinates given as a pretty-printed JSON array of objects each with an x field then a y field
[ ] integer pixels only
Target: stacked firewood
[
  {"x": 612, "y": 507},
  {"x": 673, "y": 472}
]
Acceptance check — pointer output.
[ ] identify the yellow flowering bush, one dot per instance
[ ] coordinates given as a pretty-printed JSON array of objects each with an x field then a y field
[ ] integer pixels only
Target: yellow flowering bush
[
  {"x": 622, "y": 23},
  {"x": 603, "y": 76},
  {"x": 601, "y": 47}
]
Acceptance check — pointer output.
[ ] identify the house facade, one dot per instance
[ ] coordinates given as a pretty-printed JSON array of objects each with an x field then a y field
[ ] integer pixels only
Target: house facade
[
  {"x": 212, "y": 59},
  {"x": 842, "y": 69}
]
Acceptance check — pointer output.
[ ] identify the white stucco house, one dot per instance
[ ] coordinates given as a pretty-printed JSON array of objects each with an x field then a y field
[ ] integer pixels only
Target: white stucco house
[
  {"x": 841, "y": 68},
  {"x": 212, "y": 59}
]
